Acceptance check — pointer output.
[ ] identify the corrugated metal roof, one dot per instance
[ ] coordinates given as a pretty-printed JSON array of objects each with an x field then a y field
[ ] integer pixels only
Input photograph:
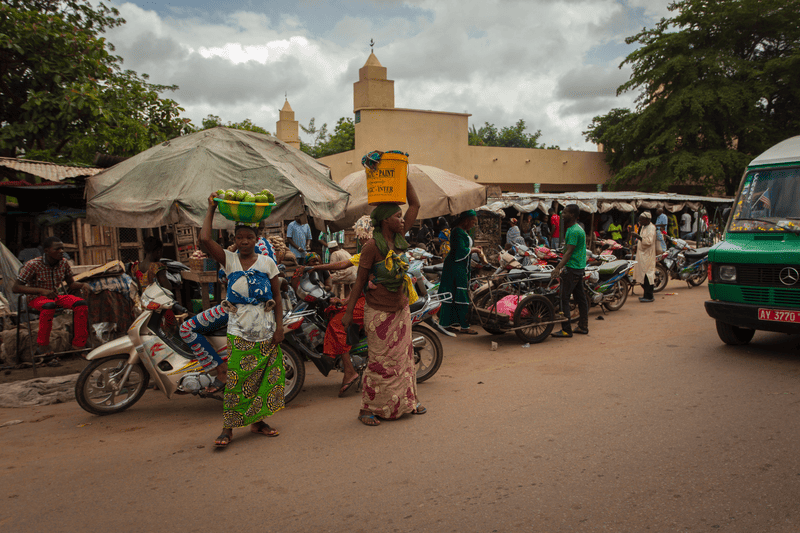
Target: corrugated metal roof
[{"x": 48, "y": 171}]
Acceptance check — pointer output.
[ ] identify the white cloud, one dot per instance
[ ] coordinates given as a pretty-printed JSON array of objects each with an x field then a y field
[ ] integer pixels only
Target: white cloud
[{"x": 551, "y": 63}]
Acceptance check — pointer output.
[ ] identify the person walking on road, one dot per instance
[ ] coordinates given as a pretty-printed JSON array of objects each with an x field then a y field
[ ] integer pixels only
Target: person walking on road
[
  {"x": 454, "y": 314},
  {"x": 645, "y": 269},
  {"x": 255, "y": 382},
  {"x": 390, "y": 381},
  {"x": 573, "y": 265}
]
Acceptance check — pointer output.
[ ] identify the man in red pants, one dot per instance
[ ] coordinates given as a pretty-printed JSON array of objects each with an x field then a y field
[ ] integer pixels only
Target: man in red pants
[{"x": 42, "y": 277}]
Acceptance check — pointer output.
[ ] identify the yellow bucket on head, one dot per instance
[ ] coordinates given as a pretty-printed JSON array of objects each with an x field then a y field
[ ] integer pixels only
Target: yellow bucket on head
[{"x": 387, "y": 183}]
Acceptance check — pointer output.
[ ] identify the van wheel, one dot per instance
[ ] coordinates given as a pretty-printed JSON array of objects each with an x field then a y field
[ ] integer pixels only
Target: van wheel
[{"x": 733, "y": 335}]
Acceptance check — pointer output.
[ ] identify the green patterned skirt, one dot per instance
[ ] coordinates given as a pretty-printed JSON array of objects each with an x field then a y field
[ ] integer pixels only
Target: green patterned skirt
[{"x": 255, "y": 382}]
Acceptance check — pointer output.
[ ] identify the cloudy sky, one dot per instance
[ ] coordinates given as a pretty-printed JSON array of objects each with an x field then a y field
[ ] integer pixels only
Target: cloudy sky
[{"x": 552, "y": 63}]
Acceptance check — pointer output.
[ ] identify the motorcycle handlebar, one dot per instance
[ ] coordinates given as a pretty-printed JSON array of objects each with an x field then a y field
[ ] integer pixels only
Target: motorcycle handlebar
[{"x": 179, "y": 309}]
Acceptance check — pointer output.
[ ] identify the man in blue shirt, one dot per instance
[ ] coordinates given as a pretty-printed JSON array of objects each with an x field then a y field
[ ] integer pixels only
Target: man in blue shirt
[
  {"x": 299, "y": 237},
  {"x": 661, "y": 227},
  {"x": 573, "y": 264}
]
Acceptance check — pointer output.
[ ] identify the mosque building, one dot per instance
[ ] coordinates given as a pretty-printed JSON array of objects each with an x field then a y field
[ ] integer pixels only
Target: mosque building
[{"x": 440, "y": 139}]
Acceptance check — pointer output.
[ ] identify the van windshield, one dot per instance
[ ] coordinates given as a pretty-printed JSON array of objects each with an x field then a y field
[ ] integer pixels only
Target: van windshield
[{"x": 769, "y": 201}]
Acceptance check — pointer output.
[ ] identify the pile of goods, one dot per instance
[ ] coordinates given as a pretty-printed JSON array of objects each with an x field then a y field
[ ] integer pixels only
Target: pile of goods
[
  {"x": 263, "y": 197},
  {"x": 200, "y": 262},
  {"x": 279, "y": 246},
  {"x": 243, "y": 206}
]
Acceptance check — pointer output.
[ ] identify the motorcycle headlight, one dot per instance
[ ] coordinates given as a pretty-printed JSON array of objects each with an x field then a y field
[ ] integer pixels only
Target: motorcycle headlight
[{"x": 727, "y": 273}]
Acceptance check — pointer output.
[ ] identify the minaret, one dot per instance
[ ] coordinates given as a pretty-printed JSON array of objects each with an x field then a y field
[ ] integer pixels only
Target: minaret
[
  {"x": 373, "y": 90},
  {"x": 286, "y": 129}
]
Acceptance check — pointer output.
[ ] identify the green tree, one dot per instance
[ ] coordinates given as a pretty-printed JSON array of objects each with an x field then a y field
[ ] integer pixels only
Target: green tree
[
  {"x": 341, "y": 140},
  {"x": 718, "y": 83},
  {"x": 212, "y": 121},
  {"x": 509, "y": 136},
  {"x": 64, "y": 96}
]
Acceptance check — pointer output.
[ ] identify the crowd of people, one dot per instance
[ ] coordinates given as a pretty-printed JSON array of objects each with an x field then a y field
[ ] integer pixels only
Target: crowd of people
[{"x": 374, "y": 283}]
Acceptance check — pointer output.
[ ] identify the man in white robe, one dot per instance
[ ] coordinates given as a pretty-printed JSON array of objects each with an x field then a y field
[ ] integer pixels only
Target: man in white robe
[{"x": 645, "y": 269}]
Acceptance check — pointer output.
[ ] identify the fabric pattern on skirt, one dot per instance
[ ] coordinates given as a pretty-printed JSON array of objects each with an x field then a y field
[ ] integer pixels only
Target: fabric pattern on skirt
[
  {"x": 193, "y": 330},
  {"x": 255, "y": 387},
  {"x": 390, "y": 378}
]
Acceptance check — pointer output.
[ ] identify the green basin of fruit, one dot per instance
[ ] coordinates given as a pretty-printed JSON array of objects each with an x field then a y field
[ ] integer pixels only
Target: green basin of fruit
[{"x": 247, "y": 212}]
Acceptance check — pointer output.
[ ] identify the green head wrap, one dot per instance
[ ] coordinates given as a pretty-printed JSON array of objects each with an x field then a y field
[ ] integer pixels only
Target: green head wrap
[{"x": 379, "y": 214}]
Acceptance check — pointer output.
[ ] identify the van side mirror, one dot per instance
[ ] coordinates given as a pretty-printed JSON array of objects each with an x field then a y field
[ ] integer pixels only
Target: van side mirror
[{"x": 726, "y": 213}]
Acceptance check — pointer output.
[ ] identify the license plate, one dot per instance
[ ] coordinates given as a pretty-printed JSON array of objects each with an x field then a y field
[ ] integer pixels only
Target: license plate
[{"x": 775, "y": 315}]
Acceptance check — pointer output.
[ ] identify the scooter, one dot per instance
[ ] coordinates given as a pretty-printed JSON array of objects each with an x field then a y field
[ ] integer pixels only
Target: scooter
[
  {"x": 305, "y": 326},
  {"x": 607, "y": 285},
  {"x": 682, "y": 262},
  {"x": 119, "y": 371}
]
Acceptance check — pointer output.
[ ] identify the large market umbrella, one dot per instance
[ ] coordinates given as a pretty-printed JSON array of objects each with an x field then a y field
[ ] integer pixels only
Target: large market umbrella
[
  {"x": 440, "y": 193},
  {"x": 170, "y": 183}
]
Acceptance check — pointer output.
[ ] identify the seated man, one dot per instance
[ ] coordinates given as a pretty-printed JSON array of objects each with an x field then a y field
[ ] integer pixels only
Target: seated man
[{"x": 42, "y": 277}]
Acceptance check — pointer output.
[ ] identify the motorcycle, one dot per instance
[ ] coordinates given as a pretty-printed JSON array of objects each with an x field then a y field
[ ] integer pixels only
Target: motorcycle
[
  {"x": 681, "y": 262},
  {"x": 119, "y": 371},
  {"x": 607, "y": 285},
  {"x": 305, "y": 325}
]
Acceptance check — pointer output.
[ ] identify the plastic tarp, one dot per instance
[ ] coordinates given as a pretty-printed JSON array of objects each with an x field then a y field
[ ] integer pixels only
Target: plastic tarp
[
  {"x": 601, "y": 202},
  {"x": 439, "y": 191},
  {"x": 9, "y": 265},
  {"x": 170, "y": 183}
]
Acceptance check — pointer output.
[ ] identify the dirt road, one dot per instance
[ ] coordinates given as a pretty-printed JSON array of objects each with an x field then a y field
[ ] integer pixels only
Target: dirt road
[{"x": 648, "y": 423}]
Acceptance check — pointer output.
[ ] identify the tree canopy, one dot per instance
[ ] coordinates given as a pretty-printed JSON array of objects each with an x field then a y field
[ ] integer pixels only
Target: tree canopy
[
  {"x": 718, "y": 83},
  {"x": 342, "y": 139},
  {"x": 64, "y": 96},
  {"x": 509, "y": 136},
  {"x": 212, "y": 121}
]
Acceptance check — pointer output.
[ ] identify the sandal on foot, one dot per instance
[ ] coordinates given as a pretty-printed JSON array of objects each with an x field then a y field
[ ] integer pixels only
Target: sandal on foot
[
  {"x": 270, "y": 432},
  {"x": 419, "y": 410},
  {"x": 371, "y": 417},
  {"x": 346, "y": 387},
  {"x": 223, "y": 440},
  {"x": 468, "y": 331}
]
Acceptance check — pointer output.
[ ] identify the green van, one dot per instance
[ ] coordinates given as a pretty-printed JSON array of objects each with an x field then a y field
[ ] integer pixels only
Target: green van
[{"x": 754, "y": 273}]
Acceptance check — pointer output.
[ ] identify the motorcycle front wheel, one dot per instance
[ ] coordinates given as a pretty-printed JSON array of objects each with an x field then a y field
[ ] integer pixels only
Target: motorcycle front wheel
[
  {"x": 95, "y": 388},
  {"x": 662, "y": 278},
  {"x": 427, "y": 358},
  {"x": 295, "y": 371}
]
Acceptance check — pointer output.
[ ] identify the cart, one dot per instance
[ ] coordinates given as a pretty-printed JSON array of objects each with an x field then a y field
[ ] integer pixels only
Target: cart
[{"x": 535, "y": 316}]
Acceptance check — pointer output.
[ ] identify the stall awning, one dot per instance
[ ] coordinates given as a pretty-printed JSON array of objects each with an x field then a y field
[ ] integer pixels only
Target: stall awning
[
  {"x": 601, "y": 202},
  {"x": 48, "y": 171}
]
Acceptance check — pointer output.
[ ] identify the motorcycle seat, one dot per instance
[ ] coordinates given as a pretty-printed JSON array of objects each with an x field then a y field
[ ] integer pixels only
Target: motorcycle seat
[
  {"x": 612, "y": 268},
  {"x": 695, "y": 255},
  {"x": 433, "y": 269}
]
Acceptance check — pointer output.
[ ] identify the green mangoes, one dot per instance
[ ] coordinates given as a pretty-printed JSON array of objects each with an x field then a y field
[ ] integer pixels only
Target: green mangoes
[
  {"x": 240, "y": 195},
  {"x": 249, "y": 197},
  {"x": 261, "y": 198},
  {"x": 270, "y": 198},
  {"x": 230, "y": 194},
  {"x": 221, "y": 193}
]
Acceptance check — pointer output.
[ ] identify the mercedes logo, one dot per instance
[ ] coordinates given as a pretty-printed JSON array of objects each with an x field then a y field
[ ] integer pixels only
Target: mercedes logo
[{"x": 789, "y": 276}]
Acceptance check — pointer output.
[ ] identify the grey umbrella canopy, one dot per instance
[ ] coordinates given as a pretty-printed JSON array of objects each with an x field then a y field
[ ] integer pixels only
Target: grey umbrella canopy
[
  {"x": 440, "y": 193},
  {"x": 170, "y": 183}
]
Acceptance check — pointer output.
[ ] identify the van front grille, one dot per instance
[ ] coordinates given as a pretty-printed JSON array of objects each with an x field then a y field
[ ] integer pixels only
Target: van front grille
[{"x": 771, "y": 296}]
